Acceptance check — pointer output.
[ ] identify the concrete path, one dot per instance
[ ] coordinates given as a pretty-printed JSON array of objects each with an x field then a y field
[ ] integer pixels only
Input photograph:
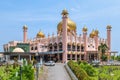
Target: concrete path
[{"x": 57, "y": 72}]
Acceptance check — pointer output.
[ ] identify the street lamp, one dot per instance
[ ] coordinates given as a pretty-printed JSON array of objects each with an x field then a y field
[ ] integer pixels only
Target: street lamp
[
  {"x": 20, "y": 72},
  {"x": 99, "y": 54},
  {"x": 37, "y": 71},
  {"x": 36, "y": 56}
]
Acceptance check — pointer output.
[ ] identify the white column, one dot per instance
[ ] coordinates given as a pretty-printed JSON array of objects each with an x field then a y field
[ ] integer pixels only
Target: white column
[
  {"x": 18, "y": 56},
  {"x": 6, "y": 56}
]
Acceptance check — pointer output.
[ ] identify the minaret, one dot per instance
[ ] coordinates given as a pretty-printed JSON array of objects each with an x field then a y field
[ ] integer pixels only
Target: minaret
[
  {"x": 85, "y": 41},
  {"x": 64, "y": 34},
  {"x": 25, "y": 33},
  {"x": 48, "y": 37},
  {"x": 109, "y": 39}
]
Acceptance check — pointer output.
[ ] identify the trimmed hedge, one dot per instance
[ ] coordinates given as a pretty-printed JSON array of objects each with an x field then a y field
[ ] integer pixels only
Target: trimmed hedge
[{"x": 78, "y": 71}]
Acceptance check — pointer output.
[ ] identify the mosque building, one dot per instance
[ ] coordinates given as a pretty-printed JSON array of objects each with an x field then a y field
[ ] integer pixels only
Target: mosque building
[{"x": 66, "y": 45}]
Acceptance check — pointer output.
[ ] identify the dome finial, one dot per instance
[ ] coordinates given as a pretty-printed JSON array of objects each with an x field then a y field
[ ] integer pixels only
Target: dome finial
[
  {"x": 109, "y": 27},
  {"x": 64, "y": 12},
  {"x": 48, "y": 34},
  {"x": 25, "y": 27}
]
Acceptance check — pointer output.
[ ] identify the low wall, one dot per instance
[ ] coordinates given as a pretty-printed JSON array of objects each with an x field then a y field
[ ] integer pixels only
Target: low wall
[{"x": 72, "y": 75}]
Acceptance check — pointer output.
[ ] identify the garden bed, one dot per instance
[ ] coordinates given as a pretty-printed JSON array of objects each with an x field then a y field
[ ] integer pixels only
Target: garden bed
[{"x": 85, "y": 71}]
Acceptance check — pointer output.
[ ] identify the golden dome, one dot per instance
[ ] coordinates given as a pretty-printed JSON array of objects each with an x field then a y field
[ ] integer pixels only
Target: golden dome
[
  {"x": 70, "y": 25},
  {"x": 96, "y": 32},
  {"x": 84, "y": 29},
  {"x": 40, "y": 34},
  {"x": 25, "y": 27},
  {"x": 109, "y": 27},
  {"x": 64, "y": 12},
  {"x": 92, "y": 34}
]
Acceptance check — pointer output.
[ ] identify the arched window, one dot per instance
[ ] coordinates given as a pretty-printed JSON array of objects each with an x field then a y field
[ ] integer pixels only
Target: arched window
[
  {"x": 78, "y": 47},
  {"x": 31, "y": 48},
  {"x": 82, "y": 48},
  {"x": 50, "y": 47},
  {"x": 35, "y": 47}
]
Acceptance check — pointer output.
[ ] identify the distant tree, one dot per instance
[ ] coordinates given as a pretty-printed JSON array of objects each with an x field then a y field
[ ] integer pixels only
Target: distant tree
[{"x": 118, "y": 58}]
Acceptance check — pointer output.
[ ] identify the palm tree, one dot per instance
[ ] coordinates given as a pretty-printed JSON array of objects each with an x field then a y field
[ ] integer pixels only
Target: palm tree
[{"x": 102, "y": 48}]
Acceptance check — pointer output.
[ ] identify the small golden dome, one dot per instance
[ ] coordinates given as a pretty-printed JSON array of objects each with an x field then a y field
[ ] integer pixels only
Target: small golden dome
[
  {"x": 70, "y": 25},
  {"x": 84, "y": 29},
  {"x": 109, "y": 27},
  {"x": 40, "y": 34},
  {"x": 25, "y": 27},
  {"x": 64, "y": 12},
  {"x": 96, "y": 32},
  {"x": 92, "y": 34}
]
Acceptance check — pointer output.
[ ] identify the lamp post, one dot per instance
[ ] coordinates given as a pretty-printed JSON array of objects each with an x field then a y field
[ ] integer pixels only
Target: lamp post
[
  {"x": 50, "y": 57},
  {"x": 20, "y": 72},
  {"x": 37, "y": 68},
  {"x": 36, "y": 56},
  {"x": 99, "y": 54}
]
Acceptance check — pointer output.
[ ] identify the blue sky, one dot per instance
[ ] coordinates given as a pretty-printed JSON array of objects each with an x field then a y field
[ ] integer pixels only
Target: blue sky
[{"x": 46, "y": 14}]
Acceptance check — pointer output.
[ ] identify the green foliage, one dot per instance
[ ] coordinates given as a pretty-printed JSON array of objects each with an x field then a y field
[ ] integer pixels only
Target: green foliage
[
  {"x": 84, "y": 71},
  {"x": 15, "y": 64},
  {"x": 109, "y": 73},
  {"x": 118, "y": 58},
  {"x": 113, "y": 58},
  {"x": 34, "y": 62},
  {"x": 79, "y": 62},
  {"x": 78, "y": 71},
  {"x": 89, "y": 69},
  {"x": 104, "y": 57},
  {"x": 28, "y": 72},
  {"x": 8, "y": 72},
  {"x": 3, "y": 73},
  {"x": 103, "y": 48}
]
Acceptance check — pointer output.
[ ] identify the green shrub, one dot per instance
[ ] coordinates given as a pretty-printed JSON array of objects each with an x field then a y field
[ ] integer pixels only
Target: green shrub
[
  {"x": 89, "y": 69},
  {"x": 78, "y": 71},
  {"x": 8, "y": 72}
]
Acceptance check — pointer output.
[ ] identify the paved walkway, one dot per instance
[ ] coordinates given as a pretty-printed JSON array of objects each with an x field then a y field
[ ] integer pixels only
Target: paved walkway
[{"x": 57, "y": 72}]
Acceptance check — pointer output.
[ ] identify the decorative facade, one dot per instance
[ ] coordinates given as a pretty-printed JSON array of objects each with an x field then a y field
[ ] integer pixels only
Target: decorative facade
[{"x": 66, "y": 45}]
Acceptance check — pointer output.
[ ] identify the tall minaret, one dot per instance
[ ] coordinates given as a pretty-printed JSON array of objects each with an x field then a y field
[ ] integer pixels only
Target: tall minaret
[
  {"x": 85, "y": 41},
  {"x": 25, "y": 33},
  {"x": 64, "y": 34},
  {"x": 109, "y": 37}
]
